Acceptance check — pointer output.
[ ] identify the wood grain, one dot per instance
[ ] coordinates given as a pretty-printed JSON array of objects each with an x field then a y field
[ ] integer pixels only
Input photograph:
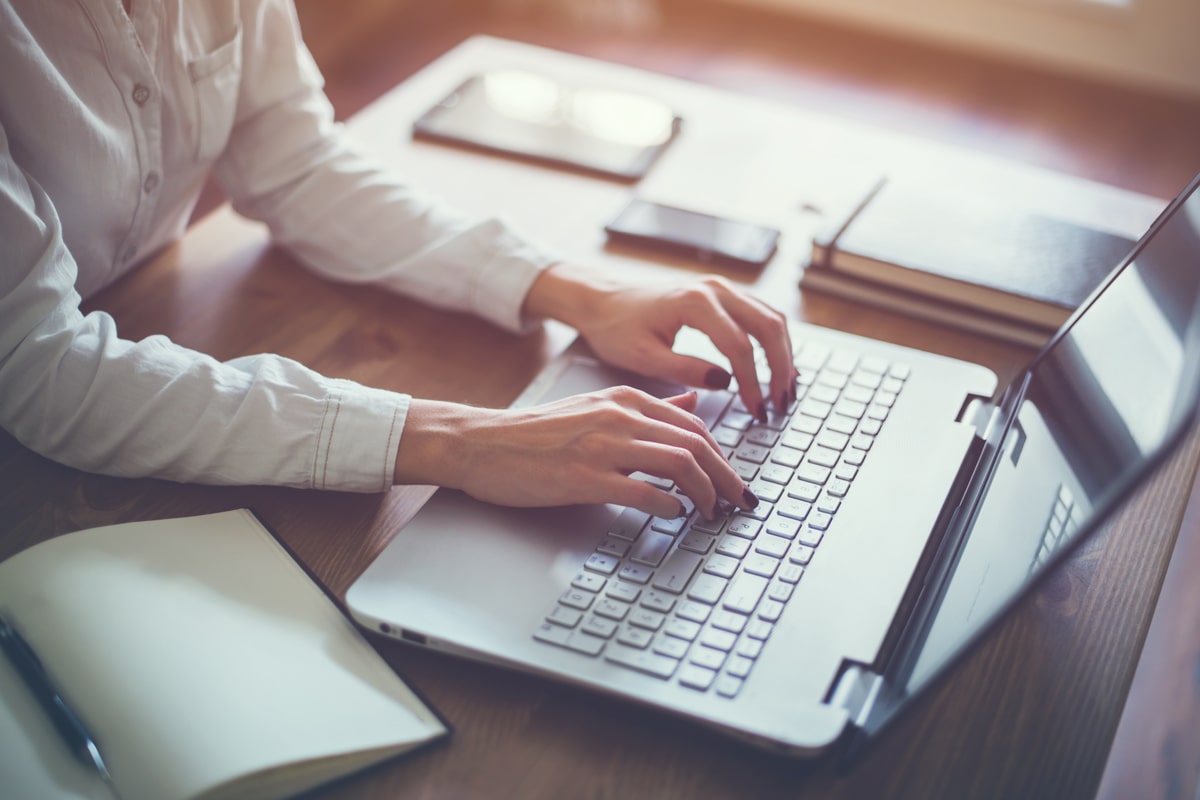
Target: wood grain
[{"x": 1030, "y": 714}]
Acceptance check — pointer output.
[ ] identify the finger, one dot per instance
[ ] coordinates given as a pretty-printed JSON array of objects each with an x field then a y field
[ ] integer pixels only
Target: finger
[
  {"x": 686, "y": 401},
  {"x": 693, "y": 460},
  {"x": 770, "y": 328},
  {"x": 663, "y": 423},
  {"x": 689, "y": 370},
  {"x": 714, "y": 321},
  {"x": 622, "y": 490},
  {"x": 680, "y": 412}
]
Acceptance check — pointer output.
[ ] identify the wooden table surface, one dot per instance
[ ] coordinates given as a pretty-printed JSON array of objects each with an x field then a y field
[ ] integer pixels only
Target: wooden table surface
[{"x": 1032, "y": 713}]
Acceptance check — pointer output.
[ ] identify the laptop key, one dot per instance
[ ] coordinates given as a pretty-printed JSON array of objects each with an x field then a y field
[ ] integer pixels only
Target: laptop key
[
  {"x": 566, "y": 617},
  {"x": 770, "y": 610},
  {"x": 629, "y": 524},
  {"x": 718, "y": 640},
  {"x": 708, "y": 657},
  {"x": 744, "y": 593},
  {"x": 598, "y": 562},
  {"x": 725, "y": 566},
  {"x": 696, "y": 677},
  {"x": 612, "y": 546},
  {"x": 707, "y": 589},
  {"x": 760, "y": 564},
  {"x": 671, "y": 647},
  {"x": 636, "y": 573},
  {"x": 646, "y": 661},
  {"x": 577, "y": 598},
  {"x": 613, "y": 609},
  {"x": 679, "y": 568},
  {"x": 759, "y": 629},
  {"x": 772, "y": 545},
  {"x": 734, "y": 546},
  {"x": 669, "y": 526},
  {"x": 650, "y": 548},
  {"x": 739, "y": 666},
  {"x": 552, "y": 634},
  {"x": 645, "y": 618},
  {"x": 624, "y": 592},
  {"x": 598, "y": 626},
  {"x": 696, "y": 542},
  {"x": 693, "y": 611},
  {"x": 588, "y": 581},
  {"x": 658, "y": 601},
  {"x": 634, "y": 637},
  {"x": 682, "y": 629},
  {"x": 728, "y": 686}
]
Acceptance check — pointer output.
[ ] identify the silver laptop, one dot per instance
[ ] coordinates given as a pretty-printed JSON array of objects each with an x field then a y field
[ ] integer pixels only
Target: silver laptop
[{"x": 906, "y": 504}]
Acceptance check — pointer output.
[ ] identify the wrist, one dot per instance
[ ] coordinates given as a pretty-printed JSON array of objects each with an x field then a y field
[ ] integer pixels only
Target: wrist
[
  {"x": 432, "y": 446},
  {"x": 568, "y": 293}
]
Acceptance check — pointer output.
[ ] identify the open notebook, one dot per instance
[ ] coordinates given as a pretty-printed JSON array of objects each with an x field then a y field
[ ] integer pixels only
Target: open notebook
[{"x": 204, "y": 661}]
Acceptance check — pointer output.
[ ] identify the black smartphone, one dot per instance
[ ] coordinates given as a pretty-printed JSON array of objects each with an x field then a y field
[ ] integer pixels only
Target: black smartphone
[{"x": 702, "y": 236}]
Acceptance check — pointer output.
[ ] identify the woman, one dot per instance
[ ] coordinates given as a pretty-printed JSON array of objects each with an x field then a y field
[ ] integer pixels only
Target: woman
[{"x": 111, "y": 118}]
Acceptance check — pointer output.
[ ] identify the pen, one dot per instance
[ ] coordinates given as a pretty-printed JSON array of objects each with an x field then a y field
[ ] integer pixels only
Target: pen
[{"x": 69, "y": 726}]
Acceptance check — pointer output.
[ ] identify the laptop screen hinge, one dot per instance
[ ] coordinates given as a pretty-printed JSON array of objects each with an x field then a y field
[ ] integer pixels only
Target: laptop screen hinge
[
  {"x": 981, "y": 414},
  {"x": 856, "y": 692}
]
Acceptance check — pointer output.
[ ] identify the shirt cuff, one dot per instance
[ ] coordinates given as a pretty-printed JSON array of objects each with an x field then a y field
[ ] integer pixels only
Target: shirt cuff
[
  {"x": 359, "y": 437},
  {"x": 504, "y": 281}
]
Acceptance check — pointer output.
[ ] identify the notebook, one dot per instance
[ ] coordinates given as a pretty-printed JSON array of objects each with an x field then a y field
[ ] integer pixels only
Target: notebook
[{"x": 908, "y": 501}]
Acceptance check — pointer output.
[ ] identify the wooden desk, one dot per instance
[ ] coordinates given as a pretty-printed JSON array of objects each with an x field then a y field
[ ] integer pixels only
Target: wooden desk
[{"x": 1030, "y": 714}]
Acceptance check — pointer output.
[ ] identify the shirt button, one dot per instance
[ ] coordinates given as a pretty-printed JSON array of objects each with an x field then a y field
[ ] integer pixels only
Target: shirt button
[
  {"x": 151, "y": 182},
  {"x": 141, "y": 94}
]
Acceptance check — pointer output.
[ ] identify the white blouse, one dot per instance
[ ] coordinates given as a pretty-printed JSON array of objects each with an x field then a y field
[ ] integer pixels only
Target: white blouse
[{"x": 109, "y": 126}]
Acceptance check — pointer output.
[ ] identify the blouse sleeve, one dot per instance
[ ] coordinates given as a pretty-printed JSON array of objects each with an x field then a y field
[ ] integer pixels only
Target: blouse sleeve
[
  {"x": 74, "y": 391},
  {"x": 288, "y": 164}
]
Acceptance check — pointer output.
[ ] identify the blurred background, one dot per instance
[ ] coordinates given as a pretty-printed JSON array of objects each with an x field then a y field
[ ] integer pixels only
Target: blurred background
[{"x": 1102, "y": 89}]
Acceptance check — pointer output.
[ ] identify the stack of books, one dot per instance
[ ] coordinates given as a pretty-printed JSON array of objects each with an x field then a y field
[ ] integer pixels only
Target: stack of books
[{"x": 969, "y": 259}]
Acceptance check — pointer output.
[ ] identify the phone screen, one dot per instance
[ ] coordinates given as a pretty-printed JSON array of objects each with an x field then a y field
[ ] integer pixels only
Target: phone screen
[{"x": 703, "y": 236}]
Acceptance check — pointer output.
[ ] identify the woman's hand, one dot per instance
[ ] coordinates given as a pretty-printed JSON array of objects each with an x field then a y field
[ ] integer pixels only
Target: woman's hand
[
  {"x": 634, "y": 326},
  {"x": 581, "y": 449}
]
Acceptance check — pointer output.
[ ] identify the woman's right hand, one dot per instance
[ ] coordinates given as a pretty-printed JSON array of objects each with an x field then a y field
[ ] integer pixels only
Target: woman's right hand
[{"x": 580, "y": 449}]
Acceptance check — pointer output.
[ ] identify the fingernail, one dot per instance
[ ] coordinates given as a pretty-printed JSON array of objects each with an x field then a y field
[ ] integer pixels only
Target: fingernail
[
  {"x": 717, "y": 378},
  {"x": 784, "y": 402},
  {"x": 749, "y": 497},
  {"x": 682, "y": 512},
  {"x": 716, "y": 510},
  {"x": 762, "y": 412}
]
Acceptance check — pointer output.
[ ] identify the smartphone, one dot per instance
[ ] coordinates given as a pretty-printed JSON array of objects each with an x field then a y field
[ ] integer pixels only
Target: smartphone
[
  {"x": 612, "y": 133},
  {"x": 690, "y": 233}
]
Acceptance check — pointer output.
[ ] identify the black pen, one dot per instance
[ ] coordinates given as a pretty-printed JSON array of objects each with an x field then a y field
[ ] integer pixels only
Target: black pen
[{"x": 69, "y": 726}]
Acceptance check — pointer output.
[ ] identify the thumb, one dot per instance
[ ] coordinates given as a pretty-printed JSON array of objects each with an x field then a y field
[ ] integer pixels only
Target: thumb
[
  {"x": 692, "y": 371},
  {"x": 687, "y": 401}
]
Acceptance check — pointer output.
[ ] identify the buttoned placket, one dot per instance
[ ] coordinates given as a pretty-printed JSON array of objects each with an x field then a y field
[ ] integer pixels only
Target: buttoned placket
[{"x": 134, "y": 71}]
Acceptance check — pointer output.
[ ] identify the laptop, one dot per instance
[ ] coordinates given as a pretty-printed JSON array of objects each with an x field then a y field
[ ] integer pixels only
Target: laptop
[{"x": 907, "y": 503}]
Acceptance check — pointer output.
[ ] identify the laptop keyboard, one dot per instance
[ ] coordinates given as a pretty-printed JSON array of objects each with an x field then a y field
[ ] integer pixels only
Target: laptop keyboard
[{"x": 696, "y": 601}]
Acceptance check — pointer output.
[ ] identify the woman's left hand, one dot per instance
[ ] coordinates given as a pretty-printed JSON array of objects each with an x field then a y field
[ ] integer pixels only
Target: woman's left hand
[{"x": 634, "y": 326}]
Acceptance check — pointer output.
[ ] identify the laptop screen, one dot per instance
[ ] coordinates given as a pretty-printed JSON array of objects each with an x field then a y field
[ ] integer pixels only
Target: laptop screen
[{"x": 1084, "y": 423}]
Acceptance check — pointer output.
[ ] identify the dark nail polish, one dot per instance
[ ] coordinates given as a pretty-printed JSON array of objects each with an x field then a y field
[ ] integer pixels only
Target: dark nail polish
[
  {"x": 682, "y": 512},
  {"x": 749, "y": 497},
  {"x": 717, "y": 378},
  {"x": 762, "y": 412},
  {"x": 717, "y": 510}
]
